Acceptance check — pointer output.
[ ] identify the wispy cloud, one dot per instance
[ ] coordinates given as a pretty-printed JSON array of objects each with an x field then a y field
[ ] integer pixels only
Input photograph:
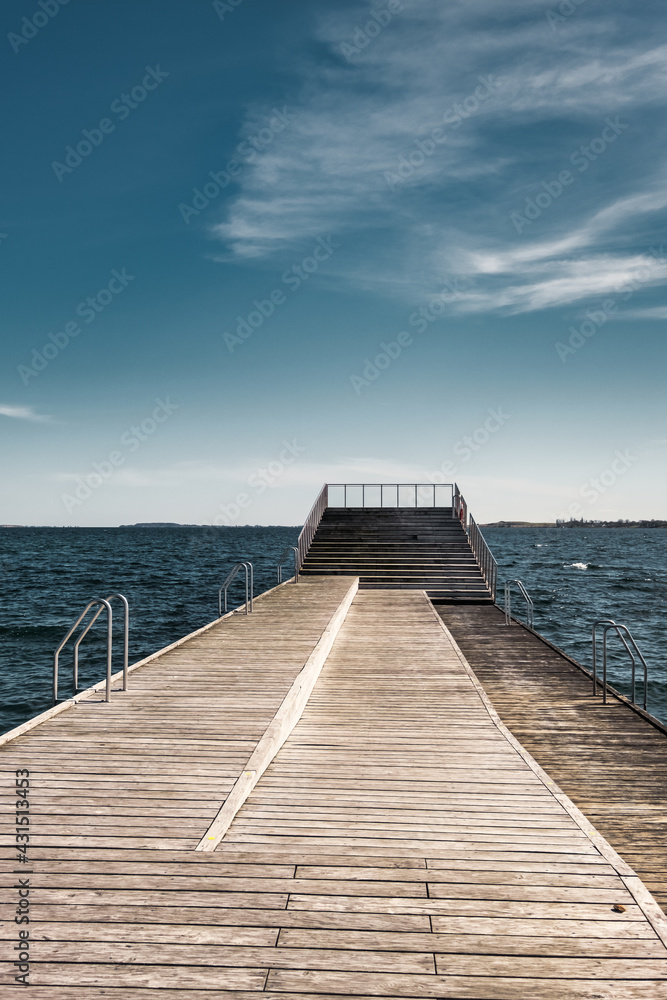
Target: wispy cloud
[
  {"x": 24, "y": 413},
  {"x": 552, "y": 93}
]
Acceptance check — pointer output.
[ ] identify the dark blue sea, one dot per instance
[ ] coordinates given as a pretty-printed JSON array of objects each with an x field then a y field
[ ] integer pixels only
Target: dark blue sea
[{"x": 171, "y": 577}]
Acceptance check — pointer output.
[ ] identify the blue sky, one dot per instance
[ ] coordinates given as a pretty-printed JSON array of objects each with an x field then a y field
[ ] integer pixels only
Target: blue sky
[{"x": 252, "y": 247}]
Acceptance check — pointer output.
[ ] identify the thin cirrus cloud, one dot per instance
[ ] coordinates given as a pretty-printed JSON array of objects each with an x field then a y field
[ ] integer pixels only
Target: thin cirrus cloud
[
  {"x": 24, "y": 413},
  {"x": 357, "y": 120}
]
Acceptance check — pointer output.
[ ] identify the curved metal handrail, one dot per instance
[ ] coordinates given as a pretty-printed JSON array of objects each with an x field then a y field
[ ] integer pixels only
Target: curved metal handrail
[
  {"x": 249, "y": 580},
  {"x": 126, "y": 633},
  {"x": 126, "y": 638},
  {"x": 607, "y": 625},
  {"x": 530, "y": 607},
  {"x": 294, "y": 549},
  {"x": 103, "y": 604},
  {"x": 600, "y": 621}
]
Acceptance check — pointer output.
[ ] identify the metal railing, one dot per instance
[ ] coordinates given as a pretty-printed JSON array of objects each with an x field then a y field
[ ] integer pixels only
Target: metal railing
[
  {"x": 482, "y": 554},
  {"x": 311, "y": 523},
  {"x": 249, "y": 585},
  {"x": 626, "y": 637},
  {"x": 103, "y": 604},
  {"x": 508, "y": 602},
  {"x": 480, "y": 549},
  {"x": 294, "y": 549},
  {"x": 398, "y": 495}
]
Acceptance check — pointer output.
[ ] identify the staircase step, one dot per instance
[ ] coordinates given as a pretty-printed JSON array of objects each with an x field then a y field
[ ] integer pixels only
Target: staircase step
[{"x": 398, "y": 548}]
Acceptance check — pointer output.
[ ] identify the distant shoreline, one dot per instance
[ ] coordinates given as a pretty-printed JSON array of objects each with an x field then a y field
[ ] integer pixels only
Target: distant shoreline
[{"x": 575, "y": 524}]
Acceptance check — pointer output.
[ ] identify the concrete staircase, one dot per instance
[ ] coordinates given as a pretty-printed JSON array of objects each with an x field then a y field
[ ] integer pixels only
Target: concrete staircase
[{"x": 420, "y": 548}]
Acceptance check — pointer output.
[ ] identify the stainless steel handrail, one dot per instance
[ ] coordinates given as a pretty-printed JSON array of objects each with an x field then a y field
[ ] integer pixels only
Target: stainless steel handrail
[
  {"x": 483, "y": 555},
  {"x": 294, "y": 549},
  {"x": 393, "y": 486},
  {"x": 103, "y": 604},
  {"x": 126, "y": 637},
  {"x": 530, "y": 608},
  {"x": 247, "y": 566},
  {"x": 480, "y": 549},
  {"x": 607, "y": 625},
  {"x": 311, "y": 523},
  {"x": 126, "y": 633}
]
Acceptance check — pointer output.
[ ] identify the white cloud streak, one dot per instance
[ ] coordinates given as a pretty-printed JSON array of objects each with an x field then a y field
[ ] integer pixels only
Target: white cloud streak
[
  {"x": 451, "y": 214},
  {"x": 23, "y": 413}
]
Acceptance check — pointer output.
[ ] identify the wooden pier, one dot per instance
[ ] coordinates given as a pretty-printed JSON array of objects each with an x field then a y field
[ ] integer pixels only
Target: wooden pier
[
  {"x": 321, "y": 799},
  {"x": 609, "y": 759}
]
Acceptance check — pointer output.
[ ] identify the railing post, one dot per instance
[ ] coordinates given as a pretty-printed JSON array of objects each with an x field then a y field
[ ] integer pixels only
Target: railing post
[
  {"x": 126, "y": 634},
  {"x": 109, "y": 651}
]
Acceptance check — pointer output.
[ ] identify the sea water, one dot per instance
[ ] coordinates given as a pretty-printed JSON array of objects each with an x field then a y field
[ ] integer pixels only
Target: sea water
[{"x": 171, "y": 576}]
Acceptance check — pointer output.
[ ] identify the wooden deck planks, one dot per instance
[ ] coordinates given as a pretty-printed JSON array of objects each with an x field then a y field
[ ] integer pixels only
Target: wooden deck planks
[
  {"x": 398, "y": 846},
  {"x": 152, "y": 767},
  {"x": 608, "y": 759},
  {"x": 396, "y": 754}
]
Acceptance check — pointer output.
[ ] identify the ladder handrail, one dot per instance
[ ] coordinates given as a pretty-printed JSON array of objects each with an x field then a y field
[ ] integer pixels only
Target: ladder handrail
[
  {"x": 294, "y": 549},
  {"x": 126, "y": 634},
  {"x": 607, "y": 625},
  {"x": 103, "y": 604},
  {"x": 247, "y": 566},
  {"x": 530, "y": 607}
]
